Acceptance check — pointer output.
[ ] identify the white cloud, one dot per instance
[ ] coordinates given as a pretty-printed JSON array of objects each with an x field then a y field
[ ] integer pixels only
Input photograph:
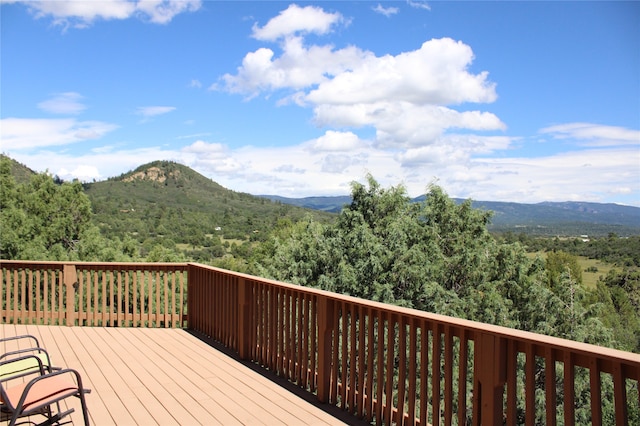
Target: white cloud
[
  {"x": 163, "y": 11},
  {"x": 419, "y": 4},
  {"x": 594, "y": 134},
  {"x": 585, "y": 175},
  {"x": 63, "y": 103},
  {"x": 386, "y": 11},
  {"x": 299, "y": 67},
  {"x": 406, "y": 98},
  {"x": 27, "y": 133},
  {"x": 213, "y": 157},
  {"x": 152, "y": 111},
  {"x": 83, "y": 173},
  {"x": 434, "y": 74},
  {"x": 296, "y": 20},
  {"x": 81, "y": 14},
  {"x": 335, "y": 141}
]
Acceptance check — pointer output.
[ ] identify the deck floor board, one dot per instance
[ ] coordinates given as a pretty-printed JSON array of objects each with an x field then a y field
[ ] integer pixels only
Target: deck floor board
[{"x": 145, "y": 376}]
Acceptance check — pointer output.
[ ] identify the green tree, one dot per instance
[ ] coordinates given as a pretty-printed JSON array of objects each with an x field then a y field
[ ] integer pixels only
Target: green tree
[
  {"x": 42, "y": 219},
  {"x": 435, "y": 256},
  {"x": 560, "y": 263}
]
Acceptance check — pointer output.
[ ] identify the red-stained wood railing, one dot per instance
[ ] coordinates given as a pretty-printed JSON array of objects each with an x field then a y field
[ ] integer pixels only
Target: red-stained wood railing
[
  {"x": 392, "y": 365},
  {"x": 385, "y": 364},
  {"x": 94, "y": 294}
]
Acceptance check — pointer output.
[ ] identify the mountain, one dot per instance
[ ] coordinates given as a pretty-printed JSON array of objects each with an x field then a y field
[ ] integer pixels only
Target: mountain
[
  {"x": 164, "y": 198},
  {"x": 325, "y": 204},
  {"x": 19, "y": 171},
  {"x": 544, "y": 219}
]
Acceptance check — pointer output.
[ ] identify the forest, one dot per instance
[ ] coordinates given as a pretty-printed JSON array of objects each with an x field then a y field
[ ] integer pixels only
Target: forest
[{"x": 436, "y": 255}]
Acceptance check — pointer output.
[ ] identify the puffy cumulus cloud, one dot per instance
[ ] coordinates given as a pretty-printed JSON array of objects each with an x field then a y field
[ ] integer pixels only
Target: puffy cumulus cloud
[
  {"x": 337, "y": 163},
  {"x": 594, "y": 134},
  {"x": 434, "y": 74},
  {"x": 295, "y": 20},
  {"x": 213, "y": 157},
  {"x": 81, "y": 14},
  {"x": 400, "y": 124},
  {"x": 452, "y": 150},
  {"x": 335, "y": 141},
  {"x": 406, "y": 98},
  {"x": 83, "y": 173},
  {"x": 299, "y": 67},
  {"x": 28, "y": 133},
  {"x": 63, "y": 103}
]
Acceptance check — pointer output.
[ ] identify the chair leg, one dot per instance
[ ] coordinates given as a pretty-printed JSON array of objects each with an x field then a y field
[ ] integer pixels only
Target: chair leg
[{"x": 85, "y": 411}]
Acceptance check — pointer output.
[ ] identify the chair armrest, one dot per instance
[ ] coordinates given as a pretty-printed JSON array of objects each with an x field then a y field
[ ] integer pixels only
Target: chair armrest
[{"x": 34, "y": 340}]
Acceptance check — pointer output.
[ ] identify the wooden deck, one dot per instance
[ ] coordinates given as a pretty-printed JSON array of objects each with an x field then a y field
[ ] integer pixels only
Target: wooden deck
[{"x": 147, "y": 376}]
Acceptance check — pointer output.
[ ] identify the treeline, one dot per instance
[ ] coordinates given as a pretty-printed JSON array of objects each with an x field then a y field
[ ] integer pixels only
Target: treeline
[{"x": 619, "y": 251}]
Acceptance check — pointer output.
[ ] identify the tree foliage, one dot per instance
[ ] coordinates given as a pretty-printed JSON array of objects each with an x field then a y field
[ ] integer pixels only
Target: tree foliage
[
  {"x": 435, "y": 256},
  {"x": 47, "y": 219}
]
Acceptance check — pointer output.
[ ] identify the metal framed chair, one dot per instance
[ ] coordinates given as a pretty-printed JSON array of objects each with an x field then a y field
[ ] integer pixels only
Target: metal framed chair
[
  {"x": 33, "y": 348},
  {"x": 30, "y": 385}
]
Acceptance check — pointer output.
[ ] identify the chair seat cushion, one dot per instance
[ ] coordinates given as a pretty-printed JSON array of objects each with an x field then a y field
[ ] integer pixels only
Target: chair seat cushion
[{"x": 44, "y": 392}]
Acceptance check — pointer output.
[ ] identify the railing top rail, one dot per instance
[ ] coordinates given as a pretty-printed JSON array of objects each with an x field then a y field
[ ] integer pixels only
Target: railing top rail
[{"x": 133, "y": 265}]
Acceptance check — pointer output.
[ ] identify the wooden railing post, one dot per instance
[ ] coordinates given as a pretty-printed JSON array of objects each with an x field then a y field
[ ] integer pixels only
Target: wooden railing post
[
  {"x": 326, "y": 327},
  {"x": 490, "y": 375},
  {"x": 70, "y": 278},
  {"x": 245, "y": 314}
]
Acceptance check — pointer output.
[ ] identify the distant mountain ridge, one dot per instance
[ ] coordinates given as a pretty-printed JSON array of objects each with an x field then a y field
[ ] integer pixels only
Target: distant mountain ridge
[{"x": 546, "y": 218}]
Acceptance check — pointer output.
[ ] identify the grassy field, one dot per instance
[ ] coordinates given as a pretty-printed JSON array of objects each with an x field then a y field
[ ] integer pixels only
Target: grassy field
[{"x": 589, "y": 279}]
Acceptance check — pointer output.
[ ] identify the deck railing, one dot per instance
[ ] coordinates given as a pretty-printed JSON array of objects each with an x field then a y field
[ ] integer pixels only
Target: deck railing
[
  {"x": 94, "y": 294},
  {"x": 383, "y": 363}
]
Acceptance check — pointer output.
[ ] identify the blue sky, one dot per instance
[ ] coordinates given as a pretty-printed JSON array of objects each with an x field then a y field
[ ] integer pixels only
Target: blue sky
[{"x": 501, "y": 101}]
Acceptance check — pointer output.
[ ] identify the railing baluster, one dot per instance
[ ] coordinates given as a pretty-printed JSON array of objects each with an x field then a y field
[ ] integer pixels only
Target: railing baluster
[
  {"x": 435, "y": 373},
  {"x": 343, "y": 376},
  {"x": 462, "y": 378},
  {"x": 413, "y": 360},
  {"x": 448, "y": 375},
  {"x": 371, "y": 344},
  {"x": 388, "y": 407},
  {"x": 362, "y": 365},
  {"x": 529, "y": 381},
  {"x": 380, "y": 362},
  {"x": 512, "y": 379},
  {"x": 424, "y": 372},
  {"x": 595, "y": 389},
  {"x": 402, "y": 369},
  {"x": 569, "y": 390},
  {"x": 352, "y": 351},
  {"x": 620, "y": 394},
  {"x": 550, "y": 386}
]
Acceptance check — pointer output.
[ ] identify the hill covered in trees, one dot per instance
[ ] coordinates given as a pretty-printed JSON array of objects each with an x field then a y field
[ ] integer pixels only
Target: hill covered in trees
[{"x": 167, "y": 200}]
